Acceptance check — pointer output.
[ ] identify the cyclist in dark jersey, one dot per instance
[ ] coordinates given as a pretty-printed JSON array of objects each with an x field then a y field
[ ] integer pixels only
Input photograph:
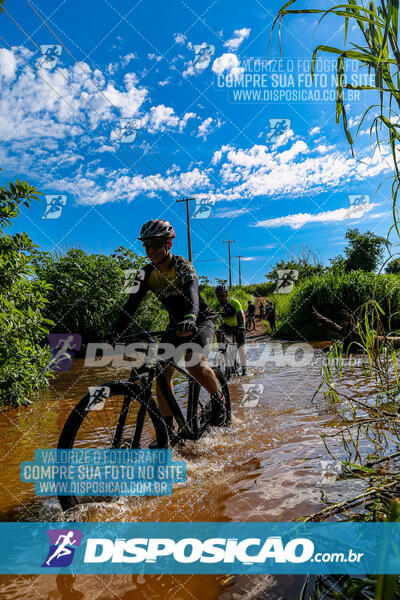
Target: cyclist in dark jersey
[
  {"x": 173, "y": 280},
  {"x": 251, "y": 315},
  {"x": 262, "y": 310}
]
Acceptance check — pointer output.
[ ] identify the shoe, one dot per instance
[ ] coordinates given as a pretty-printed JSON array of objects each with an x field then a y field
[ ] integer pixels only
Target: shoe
[
  {"x": 244, "y": 371},
  {"x": 218, "y": 409}
]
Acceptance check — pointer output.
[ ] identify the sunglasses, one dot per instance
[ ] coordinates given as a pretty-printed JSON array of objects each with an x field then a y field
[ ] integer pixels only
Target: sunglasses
[{"x": 154, "y": 244}]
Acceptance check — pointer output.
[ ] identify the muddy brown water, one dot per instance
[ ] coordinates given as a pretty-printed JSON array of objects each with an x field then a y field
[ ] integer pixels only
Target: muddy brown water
[{"x": 265, "y": 467}]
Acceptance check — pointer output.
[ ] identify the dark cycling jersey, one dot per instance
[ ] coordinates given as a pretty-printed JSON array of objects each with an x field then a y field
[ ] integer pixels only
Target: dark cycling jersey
[
  {"x": 251, "y": 309},
  {"x": 177, "y": 290}
]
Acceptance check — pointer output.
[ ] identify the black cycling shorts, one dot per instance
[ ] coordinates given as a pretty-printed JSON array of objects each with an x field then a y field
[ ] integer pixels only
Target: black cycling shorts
[
  {"x": 237, "y": 334},
  {"x": 192, "y": 347}
]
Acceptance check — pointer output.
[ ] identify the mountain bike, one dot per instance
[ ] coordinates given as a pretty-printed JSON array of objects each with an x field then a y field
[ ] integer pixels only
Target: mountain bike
[
  {"x": 124, "y": 414},
  {"x": 226, "y": 357}
]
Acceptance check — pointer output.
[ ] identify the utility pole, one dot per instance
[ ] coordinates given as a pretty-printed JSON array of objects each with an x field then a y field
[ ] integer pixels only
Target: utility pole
[
  {"x": 187, "y": 200},
  {"x": 240, "y": 274},
  {"x": 229, "y": 242}
]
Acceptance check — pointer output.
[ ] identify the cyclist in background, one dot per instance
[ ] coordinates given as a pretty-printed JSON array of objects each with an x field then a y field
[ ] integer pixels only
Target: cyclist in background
[
  {"x": 262, "y": 310},
  {"x": 251, "y": 315},
  {"x": 233, "y": 321},
  {"x": 173, "y": 280},
  {"x": 270, "y": 313}
]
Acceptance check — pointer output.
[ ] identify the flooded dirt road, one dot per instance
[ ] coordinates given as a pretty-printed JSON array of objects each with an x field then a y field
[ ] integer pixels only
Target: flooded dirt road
[{"x": 264, "y": 467}]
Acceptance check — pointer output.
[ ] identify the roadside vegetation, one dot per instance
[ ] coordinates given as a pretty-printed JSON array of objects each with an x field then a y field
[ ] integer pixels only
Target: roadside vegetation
[
  {"x": 23, "y": 302},
  {"x": 88, "y": 292},
  {"x": 337, "y": 290}
]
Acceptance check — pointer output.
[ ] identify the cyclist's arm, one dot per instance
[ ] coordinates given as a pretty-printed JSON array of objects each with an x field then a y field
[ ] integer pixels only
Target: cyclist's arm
[
  {"x": 137, "y": 294},
  {"x": 240, "y": 318},
  {"x": 191, "y": 292}
]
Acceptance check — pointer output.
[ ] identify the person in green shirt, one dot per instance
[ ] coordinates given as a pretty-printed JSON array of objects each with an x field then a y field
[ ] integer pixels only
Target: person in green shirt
[{"x": 233, "y": 321}]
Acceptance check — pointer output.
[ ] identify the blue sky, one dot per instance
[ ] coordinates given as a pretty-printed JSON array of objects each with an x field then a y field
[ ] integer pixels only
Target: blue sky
[{"x": 197, "y": 133}]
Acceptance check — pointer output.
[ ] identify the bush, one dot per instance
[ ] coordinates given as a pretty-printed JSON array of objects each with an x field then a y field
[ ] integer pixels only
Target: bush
[
  {"x": 87, "y": 293},
  {"x": 334, "y": 293},
  {"x": 260, "y": 289},
  {"x": 23, "y": 361}
]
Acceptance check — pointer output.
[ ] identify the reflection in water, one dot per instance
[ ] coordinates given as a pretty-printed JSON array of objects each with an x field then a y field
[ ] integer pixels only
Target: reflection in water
[
  {"x": 65, "y": 585},
  {"x": 264, "y": 467}
]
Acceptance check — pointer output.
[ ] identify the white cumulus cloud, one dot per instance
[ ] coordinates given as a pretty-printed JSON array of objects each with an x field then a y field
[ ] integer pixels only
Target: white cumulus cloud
[
  {"x": 239, "y": 35},
  {"x": 228, "y": 62},
  {"x": 163, "y": 117},
  {"x": 8, "y": 64},
  {"x": 298, "y": 220},
  {"x": 206, "y": 127}
]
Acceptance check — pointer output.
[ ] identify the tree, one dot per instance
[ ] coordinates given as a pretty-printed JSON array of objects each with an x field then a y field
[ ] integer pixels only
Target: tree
[
  {"x": 203, "y": 281},
  {"x": 364, "y": 251},
  {"x": 303, "y": 260},
  {"x": 393, "y": 267},
  {"x": 88, "y": 292},
  {"x": 23, "y": 359}
]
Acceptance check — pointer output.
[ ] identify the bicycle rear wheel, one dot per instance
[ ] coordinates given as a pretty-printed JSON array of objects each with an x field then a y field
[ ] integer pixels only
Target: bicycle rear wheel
[
  {"x": 225, "y": 389},
  {"x": 123, "y": 416},
  {"x": 233, "y": 362},
  {"x": 222, "y": 362}
]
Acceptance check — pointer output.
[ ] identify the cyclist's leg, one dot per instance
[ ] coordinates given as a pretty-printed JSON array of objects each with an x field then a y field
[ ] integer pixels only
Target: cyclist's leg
[
  {"x": 196, "y": 359},
  {"x": 197, "y": 365},
  {"x": 168, "y": 337},
  {"x": 239, "y": 338},
  {"x": 168, "y": 372}
]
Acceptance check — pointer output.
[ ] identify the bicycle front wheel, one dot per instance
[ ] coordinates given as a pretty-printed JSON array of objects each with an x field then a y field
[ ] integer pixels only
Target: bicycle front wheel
[{"x": 120, "y": 415}]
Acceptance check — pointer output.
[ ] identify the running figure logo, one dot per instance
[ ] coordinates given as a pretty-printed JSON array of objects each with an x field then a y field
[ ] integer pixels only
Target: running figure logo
[
  {"x": 286, "y": 279},
  {"x": 277, "y": 127},
  {"x": 203, "y": 53},
  {"x": 62, "y": 346},
  {"x": 63, "y": 543},
  {"x": 358, "y": 206},
  {"x": 203, "y": 208},
  {"x": 129, "y": 277},
  {"x": 250, "y": 394},
  {"x": 50, "y": 54},
  {"x": 128, "y": 128},
  {"x": 54, "y": 207},
  {"x": 98, "y": 395}
]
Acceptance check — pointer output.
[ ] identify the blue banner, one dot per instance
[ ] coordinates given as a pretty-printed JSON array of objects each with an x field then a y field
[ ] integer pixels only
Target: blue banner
[{"x": 288, "y": 548}]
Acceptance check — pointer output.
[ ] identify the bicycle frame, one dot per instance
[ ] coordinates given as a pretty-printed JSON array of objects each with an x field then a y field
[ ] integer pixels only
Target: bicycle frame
[{"x": 187, "y": 429}]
